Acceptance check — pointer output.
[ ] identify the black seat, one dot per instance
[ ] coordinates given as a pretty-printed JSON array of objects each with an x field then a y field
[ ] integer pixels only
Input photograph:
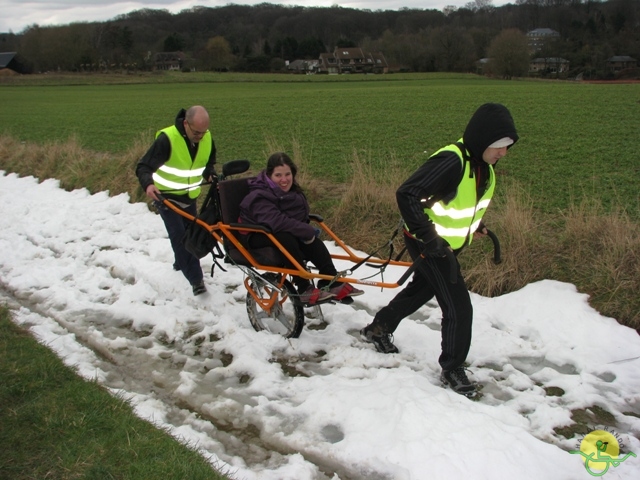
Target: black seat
[{"x": 231, "y": 194}]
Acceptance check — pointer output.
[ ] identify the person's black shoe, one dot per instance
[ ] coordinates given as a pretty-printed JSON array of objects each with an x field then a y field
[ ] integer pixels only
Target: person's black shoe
[
  {"x": 457, "y": 380},
  {"x": 382, "y": 341},
  {"x": 198, "y": 288}
]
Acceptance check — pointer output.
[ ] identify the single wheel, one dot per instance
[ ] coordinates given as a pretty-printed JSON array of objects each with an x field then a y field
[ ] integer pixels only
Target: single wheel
[{"x": 272, "y": 310}]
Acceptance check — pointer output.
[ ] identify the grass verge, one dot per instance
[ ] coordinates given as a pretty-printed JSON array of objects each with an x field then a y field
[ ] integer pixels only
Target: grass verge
[{"x": 56, "y": 425}]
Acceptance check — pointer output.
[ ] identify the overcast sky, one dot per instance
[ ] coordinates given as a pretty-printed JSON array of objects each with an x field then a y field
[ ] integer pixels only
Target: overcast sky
[{"x": 18, "y": 14}]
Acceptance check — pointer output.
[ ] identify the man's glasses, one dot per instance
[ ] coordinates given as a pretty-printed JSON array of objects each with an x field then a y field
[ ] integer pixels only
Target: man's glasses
[{"x": 196, "y": 132}]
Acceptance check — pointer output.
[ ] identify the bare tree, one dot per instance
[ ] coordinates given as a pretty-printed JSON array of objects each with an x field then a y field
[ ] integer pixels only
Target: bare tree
[
  {"x": 453, "y": 49},
  {"x": 478, "y": 5}
]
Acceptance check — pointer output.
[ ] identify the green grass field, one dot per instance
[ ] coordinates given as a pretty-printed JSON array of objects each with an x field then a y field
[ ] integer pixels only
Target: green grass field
[
  {"x": 567, "y": 206},
  {"x": 577, "y": 140},
  {"x": 56, "y": 425}
]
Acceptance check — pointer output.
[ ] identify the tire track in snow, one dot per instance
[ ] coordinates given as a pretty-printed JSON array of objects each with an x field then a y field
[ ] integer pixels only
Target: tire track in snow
[{"x": 132, "y": 369}]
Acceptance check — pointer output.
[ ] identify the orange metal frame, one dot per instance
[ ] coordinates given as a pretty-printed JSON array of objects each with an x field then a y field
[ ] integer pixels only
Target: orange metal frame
[
  {"x": 220, "y": 230},
  {"x": 267, "y": 304}
]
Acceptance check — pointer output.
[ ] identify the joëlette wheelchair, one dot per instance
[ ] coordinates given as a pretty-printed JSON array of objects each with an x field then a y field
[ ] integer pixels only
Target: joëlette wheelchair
[{"x": 272, "y": 301}]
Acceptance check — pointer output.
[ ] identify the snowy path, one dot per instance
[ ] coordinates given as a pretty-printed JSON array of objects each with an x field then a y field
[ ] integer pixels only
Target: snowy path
[{"x": 91, "y": 275}]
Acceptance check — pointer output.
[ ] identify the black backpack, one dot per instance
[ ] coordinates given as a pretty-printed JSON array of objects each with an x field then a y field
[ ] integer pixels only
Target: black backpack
[{"x": 197, "y": 239}]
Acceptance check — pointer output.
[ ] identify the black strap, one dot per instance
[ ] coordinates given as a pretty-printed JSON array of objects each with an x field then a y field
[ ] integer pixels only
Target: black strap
[
  {"x": 496, "y": 246},
  {"x": 465, "y": 158},
  {"x": 382, "y": 267},
  {"x": 217, "y": 255},
  {"x": 399, "y": 256}
]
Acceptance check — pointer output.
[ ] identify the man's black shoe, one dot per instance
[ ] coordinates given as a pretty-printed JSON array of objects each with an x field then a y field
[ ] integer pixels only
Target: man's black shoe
[
  {"x": 199, "y": 288},
  {"x": 382, "y": 341},
  {"x": 457, "y": 380}
]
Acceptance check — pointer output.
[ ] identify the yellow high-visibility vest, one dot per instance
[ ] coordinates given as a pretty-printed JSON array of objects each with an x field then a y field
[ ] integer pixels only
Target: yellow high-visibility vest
[
  {"x": 180, "y": 174},
  {"x": 456, "y": 220}
]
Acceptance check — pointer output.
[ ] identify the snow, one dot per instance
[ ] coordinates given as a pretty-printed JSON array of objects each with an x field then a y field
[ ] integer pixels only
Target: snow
[{"x": 91, "y": 276}]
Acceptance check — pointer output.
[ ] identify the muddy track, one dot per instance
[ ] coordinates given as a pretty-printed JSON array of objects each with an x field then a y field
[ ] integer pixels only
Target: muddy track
[{"x": 131, "y": 368}]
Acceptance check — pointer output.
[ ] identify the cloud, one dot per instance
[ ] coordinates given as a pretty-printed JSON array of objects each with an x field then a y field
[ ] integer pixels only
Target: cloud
[{"x": 17, "y": 15}]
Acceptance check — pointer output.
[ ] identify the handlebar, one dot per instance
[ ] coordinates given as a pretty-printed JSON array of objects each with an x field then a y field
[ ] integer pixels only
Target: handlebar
[
  {"x": 453, "y": 270},
  {"x": 496, "y": 247}
]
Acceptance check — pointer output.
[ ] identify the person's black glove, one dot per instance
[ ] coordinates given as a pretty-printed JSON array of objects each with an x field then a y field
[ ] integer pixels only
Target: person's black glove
[
  {"x": 436, "y": 248},
  {"x": 209, "y": 174}
]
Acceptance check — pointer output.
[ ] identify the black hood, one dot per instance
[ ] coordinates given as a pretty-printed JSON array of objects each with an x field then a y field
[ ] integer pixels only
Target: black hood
[{"x": 490, "y": 122}]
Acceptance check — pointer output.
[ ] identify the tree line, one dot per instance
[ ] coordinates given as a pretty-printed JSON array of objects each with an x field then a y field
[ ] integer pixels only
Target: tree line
[{"x": 264, "y": 37}]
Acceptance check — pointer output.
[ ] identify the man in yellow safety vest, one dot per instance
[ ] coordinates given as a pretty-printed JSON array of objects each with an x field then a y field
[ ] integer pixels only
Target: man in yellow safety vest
[{"x": 180, "y": 158}]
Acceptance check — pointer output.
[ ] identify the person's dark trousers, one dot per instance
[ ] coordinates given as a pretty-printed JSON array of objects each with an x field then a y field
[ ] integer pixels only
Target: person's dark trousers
[
  {"x": 176, "y": 225},
  {"x": 430, "y": 279},
  {"x": 316, "y": 252}
]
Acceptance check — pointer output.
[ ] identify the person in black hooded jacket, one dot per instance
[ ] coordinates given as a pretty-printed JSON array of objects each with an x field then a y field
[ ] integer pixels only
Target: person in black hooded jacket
[{"x": 442, "y": 205}]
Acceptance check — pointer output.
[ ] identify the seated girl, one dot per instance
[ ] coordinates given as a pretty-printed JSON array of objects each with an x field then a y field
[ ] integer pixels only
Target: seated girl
[{"x": 275, "y": 200}]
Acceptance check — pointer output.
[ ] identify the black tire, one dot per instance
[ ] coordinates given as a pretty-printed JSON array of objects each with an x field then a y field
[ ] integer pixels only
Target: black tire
[{"x": 286, "y": 318}]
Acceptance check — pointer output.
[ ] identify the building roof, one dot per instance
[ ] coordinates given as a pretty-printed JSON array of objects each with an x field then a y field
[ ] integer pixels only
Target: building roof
[
  {"x": 549, "y": 60},
  {"x": 542, "y": 32},
  {"x": 353, "y": 59},
  {"x": 5, "y": 58},
  {"x": 303, "y": 64},
  {"x": 617, "y": 58},
  {"x": 326, "y": 59},
  {"x": 169, "y": 56},
  {"x": 343, "y": 53},
  {"x": 378, "y": 58}
]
